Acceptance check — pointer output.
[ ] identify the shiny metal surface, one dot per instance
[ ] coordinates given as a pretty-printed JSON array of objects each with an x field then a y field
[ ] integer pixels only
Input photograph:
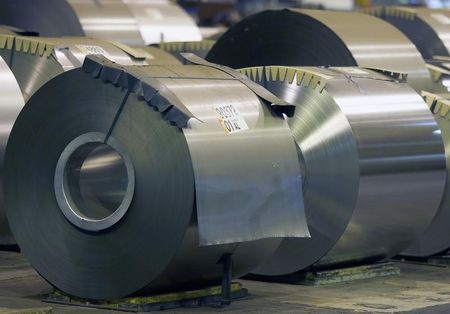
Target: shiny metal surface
[
  {"x": 401, "y": 171},
  {"x": 426, "y": 28},
  {"x": 33, "y": 67},
  {"x": 436, "y": 238},
  {"x": 11, "y": 102},
  {"x": 34, "y": 61},
  {"x": 110, "y": 19},
  {"x": 155, "y": 245},
  {"x": 245, "y": 167},
  {"x": 321, "y": 38},
  {"x": 373, "y": 164},
  {"x": 94, "y": 181},
  {"x": 50, "y": 18},
  {"x": 133, "y": 22},
  {"x": 163, "y": 21}
]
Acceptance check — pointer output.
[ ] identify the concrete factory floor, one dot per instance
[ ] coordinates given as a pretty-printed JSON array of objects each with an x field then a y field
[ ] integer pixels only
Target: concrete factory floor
[{"x": 419, "y": 289}]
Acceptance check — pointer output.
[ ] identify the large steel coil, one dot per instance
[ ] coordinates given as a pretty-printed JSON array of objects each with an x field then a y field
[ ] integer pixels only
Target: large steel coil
[
  {"x": 426, "y": 28},
  {"x": 133, "y": 22},
  {"x": 11, "y": 102},
  {"x": 372, "y": 160},
  {"x": 321, "y": 38},
  {"x": 436, "y": 239},
  {"x": 36, "y": 60},
  {"x": 132, "y": 178}
]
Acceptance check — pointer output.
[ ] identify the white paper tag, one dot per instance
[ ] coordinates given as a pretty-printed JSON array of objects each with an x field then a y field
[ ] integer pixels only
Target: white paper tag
[
  {"x": 230, "y": 118},
  {"x": 441, "y": 18},
  {"x": 91, "y": 50},
  {"x": 351, "y": 70}
]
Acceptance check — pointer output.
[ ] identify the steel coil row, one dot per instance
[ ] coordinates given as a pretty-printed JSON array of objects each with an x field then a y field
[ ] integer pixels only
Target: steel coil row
[
  {"x": 323, "y": 38},
  {"x": 133, "y": 22},
  {"x": 127, "y": 172}
]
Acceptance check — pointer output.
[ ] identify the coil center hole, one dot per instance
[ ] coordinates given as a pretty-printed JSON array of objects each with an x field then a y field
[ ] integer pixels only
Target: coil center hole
[{"x": 96, "y": 180}]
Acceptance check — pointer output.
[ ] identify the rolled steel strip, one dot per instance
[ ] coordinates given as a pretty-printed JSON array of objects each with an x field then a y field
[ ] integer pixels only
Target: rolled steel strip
[
  {"x": 436, "y": 239},
  {"x": 321, "y": 38},
  {"x": 427, "y": 28},
  {"x": 372, "y": 162},
  {"x": 11, "y": 102},
  {"x": 117, "y": 203},
  {"x": 36, "y": 60},
  {"x": 133, "y": 22}
]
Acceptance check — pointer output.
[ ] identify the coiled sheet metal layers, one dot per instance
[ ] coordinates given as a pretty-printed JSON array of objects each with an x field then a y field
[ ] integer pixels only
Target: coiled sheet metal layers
[
  {"x": 11, "y": 102},
  {"x": 199, "y": 48},
  {"x": 426, "y": 28},
  {"x": 436, "y": 238},
  {"x": 36, "y": 60},
  {"x": 321, "y": 38},
  {"x": 133, "y": 22},
  {"x": 373, "y": 164},
  {"x": 439, "y": 68},
  {"x": 143, "y": 163}
]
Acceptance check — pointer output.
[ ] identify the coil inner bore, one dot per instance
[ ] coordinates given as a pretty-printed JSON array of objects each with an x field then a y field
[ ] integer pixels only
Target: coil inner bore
[{"x": 94, "y": 182}]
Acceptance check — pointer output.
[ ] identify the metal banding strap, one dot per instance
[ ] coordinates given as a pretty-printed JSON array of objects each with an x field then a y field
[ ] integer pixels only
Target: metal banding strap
[{"x": 127, "y": 49}]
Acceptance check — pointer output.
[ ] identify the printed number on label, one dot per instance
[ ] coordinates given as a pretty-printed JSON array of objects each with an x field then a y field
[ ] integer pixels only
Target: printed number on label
[{"x": 230, "y": 118}]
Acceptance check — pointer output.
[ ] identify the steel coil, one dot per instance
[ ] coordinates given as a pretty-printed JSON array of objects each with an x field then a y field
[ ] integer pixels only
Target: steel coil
[
  {"x": 426, "y": 28},
  {"x": 149, "y": 175},
  {"x": 11, "y": 102},
  {"x": 133, "y": 22},
  {"x": 321, "y": 38},
  {"x": 436, "y": 239},
  {"x": 36, "y": 60},
  {"x": 372, "y": 161}
]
